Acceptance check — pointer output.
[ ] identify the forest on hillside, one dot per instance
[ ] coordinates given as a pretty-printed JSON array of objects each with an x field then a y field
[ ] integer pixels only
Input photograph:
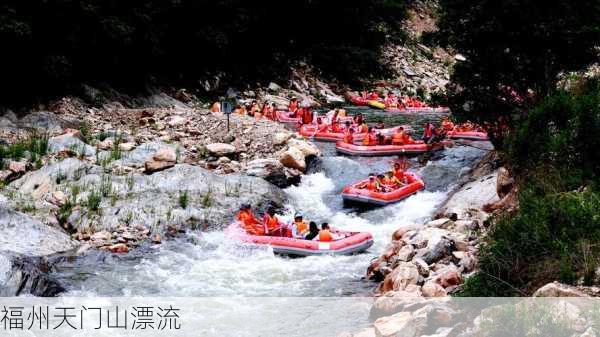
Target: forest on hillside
[{"x": 51, "y": 47}]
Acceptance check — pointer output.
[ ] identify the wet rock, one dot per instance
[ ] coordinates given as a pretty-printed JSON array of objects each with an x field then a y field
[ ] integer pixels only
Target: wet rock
[
  {"x": 438, "y": 247},
  {"x": 270, "y": 170},
  {"x": 293, "y": 158},
  {"x": 163, "y": 159},
  {"x": 21, "y": 275}
]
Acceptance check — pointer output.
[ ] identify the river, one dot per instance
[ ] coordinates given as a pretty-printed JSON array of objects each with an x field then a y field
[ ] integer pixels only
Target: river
[{"x": 207, "y": 264}]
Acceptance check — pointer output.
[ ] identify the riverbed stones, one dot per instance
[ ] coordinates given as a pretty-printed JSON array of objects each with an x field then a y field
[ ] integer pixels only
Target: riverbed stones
[
  {"x": 406, "y": 253},
  {"x": 401, "y": 277},
  {"x": 556, "y": 289},
  {"x": 433, "y": 289}
]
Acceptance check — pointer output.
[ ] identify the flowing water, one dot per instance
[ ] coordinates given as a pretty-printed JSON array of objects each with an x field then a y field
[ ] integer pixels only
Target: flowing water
[{"x": 207, "y": 264}]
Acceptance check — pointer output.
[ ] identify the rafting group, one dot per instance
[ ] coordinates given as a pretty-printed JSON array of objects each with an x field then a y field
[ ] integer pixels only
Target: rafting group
[
  {"x": 297, "y": 238},
  {"x": 392, "y": 103}
]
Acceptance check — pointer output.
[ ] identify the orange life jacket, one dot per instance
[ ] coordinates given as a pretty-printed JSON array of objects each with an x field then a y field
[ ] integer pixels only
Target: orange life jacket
[
  {"x": 363, "y": 128},
  {"x": 301, "y": 227},
  {"x": 348, "y": 137},
  {"x": 325, "y": 235},
  {"x": 428, "y": 132},
  {"x": 271, "y": 222},
  {"x": 293, "y": 106},
  {"x": 399, "y": 174},
  {"x": 307, "y": 116},
  {"x": 407, "y": 140},
  {"x": 250, "y": 224},
  {"x": 398, "y": 138}
]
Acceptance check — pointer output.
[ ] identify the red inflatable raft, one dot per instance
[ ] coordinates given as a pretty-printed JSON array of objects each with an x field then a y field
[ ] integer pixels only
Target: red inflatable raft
[
  {"x": 358, "y": 100},
  {"x": 470, "y": 135},
  {"x": 359, "y": 195},
  {"x": 328, "y": 136},
  {"x": 284, "y": 117},
  {"x": 351, "y": 243},
  {"x": 385, "y": 150}
]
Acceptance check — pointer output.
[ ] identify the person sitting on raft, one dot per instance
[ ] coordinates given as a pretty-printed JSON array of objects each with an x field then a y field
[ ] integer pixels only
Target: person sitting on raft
[
  {"x": 325, "y": 234},
  {"x": 266, "y": 111},
  {"x": 313, "y": 231},
  {"x": 374, "y": 96},
  {"x": 447, "y": 124},
  {"x": 390, "y": 181},
  {"x": 400, "y": 137},
  {"x": 293, "y": 107},
  {"x": 321, "y": 125},
  {"x": 249, "y": 222},
  {"x": 299, "y": 227},
  {"x": 349, "y": 134},
  {"x": 370, "y": 138},
  {"x": 428, "y": 133},
  {"x": 390, "y": 100},
  {"x": 358, "y": 119},
  {"x": 306, "y": 115},
  {"x": 371, "y": 185},
  {"x": 398, "y": 171},
  {"x": 272, "y": 226}
]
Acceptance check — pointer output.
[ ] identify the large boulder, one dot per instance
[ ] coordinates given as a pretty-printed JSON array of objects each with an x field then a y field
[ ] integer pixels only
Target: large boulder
[
  {"x": 402, "y": 324},
  {"x": 270, "y": 170},
  {"x": 21, "y": 234},
  {"x": 404, "y": 275},
  {"x": 155, "y": 200},
  {"x": 293, "y": 158},
  {"x": 70, "y": 143}
]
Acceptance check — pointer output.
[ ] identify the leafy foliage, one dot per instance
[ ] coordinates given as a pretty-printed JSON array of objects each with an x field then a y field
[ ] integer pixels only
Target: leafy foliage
[
  {"x": 514, "y": 51},
  {"x": 56, "y": 45},
  {"x": 555, "y": 234}
]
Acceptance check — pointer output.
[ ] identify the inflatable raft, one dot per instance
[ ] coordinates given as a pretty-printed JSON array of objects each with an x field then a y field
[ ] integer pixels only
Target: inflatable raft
[
  {"x": 350, "y": 243},
  {"x": 358, "y": 100},
  {"x": 470, "y": 135},
  {"x": 310, "y": 131},
  {"x": 384, "y": 150},
  {"x": 353, "y": 194},
  {"x": 376, "y": 104}
]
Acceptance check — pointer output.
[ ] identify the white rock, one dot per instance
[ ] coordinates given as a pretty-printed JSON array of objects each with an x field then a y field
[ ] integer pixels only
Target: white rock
[
  {"x": 406, "y": 253},
  {"x": 221, "y": 149},
  {"x": 176, "y": 121},
  {"x": 280, "y": 138},
  {"x": 293, "y": 158},
  {"x": 126, "y": 146}
]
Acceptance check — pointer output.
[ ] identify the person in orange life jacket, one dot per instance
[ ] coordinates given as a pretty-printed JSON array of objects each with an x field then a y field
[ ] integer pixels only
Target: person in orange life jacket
[
  {"x": 358, "y": 119},
  {"x": 249, "y": 222},
  {"x": 447, "y": 124},
  {"x": 398, "y": 173},
  {"x": 321, "y": 126},
  {"x": 325, "y": 234},
  {"x": 271, "y": 224},
  {"x": 293, "y": 107},
  {"x": 391, "y": 181},
  {"x": 370, "y": 137},
  {"x": 349, "y": 134},
  {"x": 299, "y": 227},
  {"x": 313, "y": 231},
  {"x": 428, "y": 132},
  {"x": 381, "y": 186},
  {"x": 266, "y": 110},
  {"x": 306, "y": 115},
  {"x": 398, "y": 137},
  {"x": 374, "y": 96},
  {"x": 371, "y": 184},
  {"x": 390, "y": 100}
]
